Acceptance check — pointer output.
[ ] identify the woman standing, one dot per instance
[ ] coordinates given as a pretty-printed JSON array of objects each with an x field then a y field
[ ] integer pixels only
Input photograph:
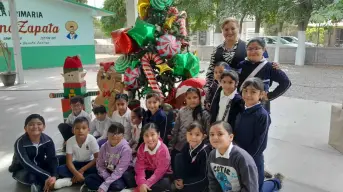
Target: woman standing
[{"x": 232, "y": 51}]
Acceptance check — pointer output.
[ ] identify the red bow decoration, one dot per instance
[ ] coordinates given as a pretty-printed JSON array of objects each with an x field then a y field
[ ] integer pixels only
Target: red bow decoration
[
  {"x": 106, "y": 65},
  {"x": 106, "y": 93}
]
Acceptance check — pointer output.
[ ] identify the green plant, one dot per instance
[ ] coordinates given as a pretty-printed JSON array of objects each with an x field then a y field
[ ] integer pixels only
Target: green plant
[{"x": 6, "y": 53}]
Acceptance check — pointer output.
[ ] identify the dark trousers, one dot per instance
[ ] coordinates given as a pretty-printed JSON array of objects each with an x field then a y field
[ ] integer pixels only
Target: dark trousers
[
  {"x": 66, "y": 131},
  {"x": 259, "y": 161},
  {"x": 178, "y": 174},
  {"x": 27, "y": 178},
  {"x": 94, "y": 181},
  {"x": 64, "y": 172},
  {"x": 163, "y": 185},
  {"x": 271, "y": 185}
]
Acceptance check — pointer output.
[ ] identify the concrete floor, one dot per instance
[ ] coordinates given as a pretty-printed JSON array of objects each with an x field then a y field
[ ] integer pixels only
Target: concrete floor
[{"x": 298, "y": 135}]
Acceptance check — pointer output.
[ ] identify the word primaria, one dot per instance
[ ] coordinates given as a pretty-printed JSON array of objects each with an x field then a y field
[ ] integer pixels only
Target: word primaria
[{"x": 24, "y": 27}]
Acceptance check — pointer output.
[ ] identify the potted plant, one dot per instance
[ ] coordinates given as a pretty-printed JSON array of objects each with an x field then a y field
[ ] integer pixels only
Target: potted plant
[{"x": 8, "y": 77}]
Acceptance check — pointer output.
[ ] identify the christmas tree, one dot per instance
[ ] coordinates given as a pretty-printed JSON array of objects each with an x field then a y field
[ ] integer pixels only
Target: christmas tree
[{"x": 155, "y": 50}]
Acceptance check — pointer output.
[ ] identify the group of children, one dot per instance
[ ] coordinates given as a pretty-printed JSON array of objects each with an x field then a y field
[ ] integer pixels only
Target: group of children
[{"x": 213, "y": 147}]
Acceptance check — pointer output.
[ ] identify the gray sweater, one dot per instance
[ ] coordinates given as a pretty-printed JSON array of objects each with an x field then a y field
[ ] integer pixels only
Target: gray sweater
[
  {"x": 236, "y": 174},
  {"x": 183, "y": 120}
]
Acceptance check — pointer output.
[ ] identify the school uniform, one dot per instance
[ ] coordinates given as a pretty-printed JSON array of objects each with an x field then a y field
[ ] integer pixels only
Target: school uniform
[
  {"x": 251, "y": 134},
  {"x": 113, "y": 168},
  {"x": 66, "y": 129},
  {"x": 81, "y": 155},
  {"x": 136, "y": 132},
  {"x": 191, "y": 167},
  {"x": 268, "y": 75},
  {"x": 211, "y": 91},
  {"x": 162, "y": 121},
  {"x": 226, "y": 108},
  {"x": 99, "y": 128},
  {"x": 34, "y": 163},
  {"x": 125, "y": 120},
  {"x": 153, "y": 167}
]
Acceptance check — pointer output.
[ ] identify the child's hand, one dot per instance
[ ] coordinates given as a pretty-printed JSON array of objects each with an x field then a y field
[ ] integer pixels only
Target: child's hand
[
  {"x": 276, "y": 66},
  {"x": 144, "y": 188},
  {"x": 78, "y": 178},
  {"x": 179, "y": 183},
  {"x": 49, "y": 183}
]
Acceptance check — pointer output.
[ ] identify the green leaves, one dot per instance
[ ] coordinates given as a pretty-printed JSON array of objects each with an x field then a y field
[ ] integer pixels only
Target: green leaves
[{"x": 117, "y": 21}]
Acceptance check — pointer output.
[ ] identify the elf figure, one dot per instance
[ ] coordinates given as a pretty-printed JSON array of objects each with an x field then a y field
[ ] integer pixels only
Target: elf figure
[{"x": 74, "y": 85}]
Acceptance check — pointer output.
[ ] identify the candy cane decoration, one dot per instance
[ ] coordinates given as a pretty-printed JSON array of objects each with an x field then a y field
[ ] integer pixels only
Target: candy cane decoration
[
  {"x": 149, "y": 73},
  {"x": 182, "y": 22}
]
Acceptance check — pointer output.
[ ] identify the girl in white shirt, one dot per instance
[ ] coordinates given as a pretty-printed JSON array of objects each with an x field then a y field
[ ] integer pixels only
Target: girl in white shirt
[
  {"x": 137, "y": 116},
  {"x": 123, "y": 114}
]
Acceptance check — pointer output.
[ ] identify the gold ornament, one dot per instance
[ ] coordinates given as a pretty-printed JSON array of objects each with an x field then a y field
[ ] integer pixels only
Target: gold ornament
[
  {"x": 142, "y": 7},
  {"x": 169, "y": 22},
  {"x": 163, "y": 68}
]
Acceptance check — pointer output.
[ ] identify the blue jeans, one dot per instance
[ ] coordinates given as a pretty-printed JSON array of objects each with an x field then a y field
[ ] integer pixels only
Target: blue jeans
[
  {"x": 64, "y": 172},
  {"x": 259, "y": 161},
  {"x": 271, "y": 185},
  {"x": 27, "y": 178}
]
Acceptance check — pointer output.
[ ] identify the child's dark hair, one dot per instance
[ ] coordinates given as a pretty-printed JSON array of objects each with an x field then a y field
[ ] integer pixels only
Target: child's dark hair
[
  {"x": 81, "y": 120},
  {"x": 198, "y": 109},
  {"x": 77, "y": 99},
  {"x": 121, "y": 96},
  {"x": 34, "y": 116},
  {"x": 255, "y": 82},
  {"x": 196, "y": 124},
  {"x": 155, "y": 95},
  {"x": 232, "y": 74},
  {"x": 149, "y": 126},
  {"x": 225, "y": 125},
  {"x": 116, "y": 128},
  {"x": 99, "y": 109},
  {"x": 258, "y": 40},
  {"x": 223, "y": 64},
  {"x": 139, "y": 111}
]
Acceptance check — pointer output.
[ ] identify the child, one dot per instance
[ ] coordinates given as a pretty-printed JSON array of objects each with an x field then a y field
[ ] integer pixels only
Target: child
[
  {"x": 113, "y": 163},
  {"x": 137, "y": 116},
  {"x": 153, "y": 162},
  {"x": 34, "y": 160},
  {"x": 230, "y": 167},
  {"x": 188, "y": 114},
  {"x": 77, "y": 106},
  {"x": 226, "y": 103},
  {"x": 99, "y": 126},
  {"x": 265, "y": 70},
  {"x": 219, "y": 68},
  {"x": 156, "y": 115},
  {"x": 251, "y": 128},
  {"x": 82, "y": 152},
  {"x": 123, "y": 114},
  {"x": 191, "y": 164}
]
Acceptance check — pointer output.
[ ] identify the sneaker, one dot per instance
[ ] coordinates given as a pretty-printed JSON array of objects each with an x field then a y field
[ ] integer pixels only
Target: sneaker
[
  {"x": 280, "y": 177},
  {"x": 35, "y": 188},
  {"x": 267, "y": 175},
  {"x": 60, "y": 183}
]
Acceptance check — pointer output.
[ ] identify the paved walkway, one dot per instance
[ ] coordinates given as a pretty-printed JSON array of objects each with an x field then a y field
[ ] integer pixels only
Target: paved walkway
[{"x": 297, "y": 144}]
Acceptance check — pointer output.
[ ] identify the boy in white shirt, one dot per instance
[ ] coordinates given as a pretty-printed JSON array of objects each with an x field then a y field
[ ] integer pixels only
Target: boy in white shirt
[
  {"x": 82, "y": 152},
  {"x": 77, "y": 106},
  {"x": 99, "y": 126}
]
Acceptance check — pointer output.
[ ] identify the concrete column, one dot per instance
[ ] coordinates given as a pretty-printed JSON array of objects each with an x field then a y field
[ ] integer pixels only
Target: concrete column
[
  {"x": 16, "y": 42},
  {"x": 131, "y": 12}
]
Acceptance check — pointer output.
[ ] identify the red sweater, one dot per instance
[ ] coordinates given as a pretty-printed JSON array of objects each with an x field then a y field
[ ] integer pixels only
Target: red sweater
[{"x": 159, "y": 163}]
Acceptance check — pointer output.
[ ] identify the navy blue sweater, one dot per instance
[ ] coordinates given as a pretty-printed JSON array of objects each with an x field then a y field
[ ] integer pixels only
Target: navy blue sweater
[
  {"x": 251, "y": 130},
  {"x": 164, "y": 125},
  {"x": 268, "y": 75},
  {"x": 237, "y": 106},
  {"x": 194, "y": 165},
  {"x": 41, "y": 161}
]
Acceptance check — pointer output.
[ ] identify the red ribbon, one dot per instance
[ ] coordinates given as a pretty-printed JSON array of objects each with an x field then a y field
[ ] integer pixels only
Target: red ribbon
[{"x": 106, "y": 94}]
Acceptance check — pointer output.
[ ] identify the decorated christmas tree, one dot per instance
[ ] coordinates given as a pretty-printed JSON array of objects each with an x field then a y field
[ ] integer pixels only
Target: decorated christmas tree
[{"x": 155, "y": 50}]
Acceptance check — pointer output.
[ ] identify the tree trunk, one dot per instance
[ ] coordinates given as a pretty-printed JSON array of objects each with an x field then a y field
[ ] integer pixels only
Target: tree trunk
[
  {"x": 258, "y": 21},
  {"x": 241, "y": 23}
]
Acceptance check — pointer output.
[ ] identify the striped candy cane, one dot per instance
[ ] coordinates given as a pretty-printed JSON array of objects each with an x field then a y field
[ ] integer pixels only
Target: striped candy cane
[{"x": 149, "y": 73}]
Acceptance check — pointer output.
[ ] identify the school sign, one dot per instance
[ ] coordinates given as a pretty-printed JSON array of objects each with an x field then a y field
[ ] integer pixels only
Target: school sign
[{"x": 51, "y": 30}]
